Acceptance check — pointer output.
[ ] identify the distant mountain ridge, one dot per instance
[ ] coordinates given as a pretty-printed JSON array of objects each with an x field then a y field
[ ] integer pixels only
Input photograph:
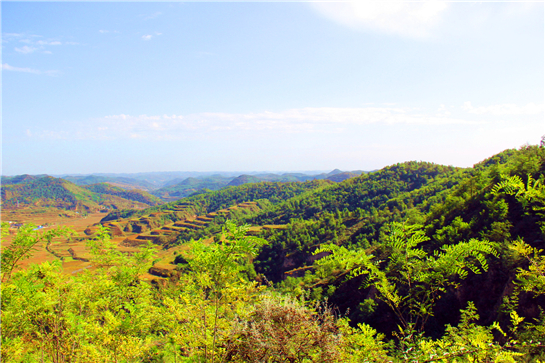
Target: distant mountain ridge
[
  {"x": 165, "y": 186},
  {"x": 191, "y": 185}
]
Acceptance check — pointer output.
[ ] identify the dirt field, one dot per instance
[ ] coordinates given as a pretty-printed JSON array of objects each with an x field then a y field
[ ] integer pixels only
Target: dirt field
[
  {"x": 69, "y": 249},
  {"x": 51, "y": 218}
]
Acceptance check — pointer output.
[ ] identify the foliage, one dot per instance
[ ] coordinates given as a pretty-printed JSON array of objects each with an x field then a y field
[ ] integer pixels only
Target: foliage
[
  {"x": 23, "y": 244},
  {"x": 410, "y": 281},
  {"x": 419, "y": 256},
  {"x": 50, "y": 191},
  {"x": 132, "y": 194}
]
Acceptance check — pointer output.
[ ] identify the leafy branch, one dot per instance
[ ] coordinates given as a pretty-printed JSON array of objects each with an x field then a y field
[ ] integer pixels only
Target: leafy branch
[{"x": 23, "y": 244}]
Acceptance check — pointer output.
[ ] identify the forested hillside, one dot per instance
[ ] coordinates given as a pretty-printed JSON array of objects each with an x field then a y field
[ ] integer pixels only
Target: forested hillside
[
  {"x": 416, "y": 262},
  {"x": 133, "y": 194},
  {"x": 126, "y": 183},
  {"x": 187, "y": 187},
  {"x": 47, "y": 191}
]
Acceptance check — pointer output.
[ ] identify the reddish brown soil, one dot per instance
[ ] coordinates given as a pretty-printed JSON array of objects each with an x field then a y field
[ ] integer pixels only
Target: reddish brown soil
[{"x": 61, "y": 246}]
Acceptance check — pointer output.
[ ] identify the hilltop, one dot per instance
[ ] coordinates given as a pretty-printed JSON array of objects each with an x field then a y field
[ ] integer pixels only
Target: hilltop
[{"x": 46, "y": 191}]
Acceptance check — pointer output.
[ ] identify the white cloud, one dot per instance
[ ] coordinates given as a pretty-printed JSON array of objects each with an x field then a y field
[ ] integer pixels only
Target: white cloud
[
  {"x": 442, "y": 110},
  {"x": 149, "y": 36},
  {"x": 34, "y": 43},
  {"x": 13, "y": 35},
  {"x": 294, "y": 121},
  {"x": 504, "y": 109},
  {"x": 7, "y": 67},
  {"x": 410, "y": 19},
  {"x": 52, "y": 73},
  {"x": 46, "y": 42},
  {"x": 27, "y": 50},
  {"x": 20, "y": 37}
]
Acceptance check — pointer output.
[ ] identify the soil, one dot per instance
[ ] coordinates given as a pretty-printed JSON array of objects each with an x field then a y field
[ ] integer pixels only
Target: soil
[{"x": 71, "y": 250}]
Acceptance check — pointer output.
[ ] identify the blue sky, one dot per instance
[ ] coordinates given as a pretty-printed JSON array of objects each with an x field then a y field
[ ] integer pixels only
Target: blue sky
[{"x": 91, "y": 87}]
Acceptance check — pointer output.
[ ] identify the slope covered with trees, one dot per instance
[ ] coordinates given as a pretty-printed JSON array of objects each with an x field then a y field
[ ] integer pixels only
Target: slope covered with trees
[
  {"x": 416, "y": 262},
  {"x": 133, "y": 194},
  {"x": 124, "y": 182},
  {"x": 47, "y": 191}
]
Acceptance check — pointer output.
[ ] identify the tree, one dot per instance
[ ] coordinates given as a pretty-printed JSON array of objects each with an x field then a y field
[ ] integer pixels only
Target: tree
[
  {"x": 23, "y": 244},
  {"x": 411, "y": 281},
  {"x": 216, "y": 291}
]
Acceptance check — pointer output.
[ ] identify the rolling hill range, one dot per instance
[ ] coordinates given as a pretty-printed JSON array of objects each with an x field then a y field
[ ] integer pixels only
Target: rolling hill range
[
  {"x": 46, "y": 191},
  {"x": 412, "y": 256},
  {"x": 448, "y": 205},
  {"x": 122, "y": 182},
  {"x": 177, "y": 189},
  {"x": 94, "y": 192}
]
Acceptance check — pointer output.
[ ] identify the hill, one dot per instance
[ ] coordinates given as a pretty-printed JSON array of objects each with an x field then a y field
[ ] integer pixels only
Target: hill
[
  {"x": 177, "y": 189},
  {"x": 46, "y": 191},
  {"x": 180, "y": 189},
  {"x": 122, "y": 182},
  {"x": 414, "y": 262},
  {"x": 448, "y": 207},
  {"x": 132, "y": 194}
]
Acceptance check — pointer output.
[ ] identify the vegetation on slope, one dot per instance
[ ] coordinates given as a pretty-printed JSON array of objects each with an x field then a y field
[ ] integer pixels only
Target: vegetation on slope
[
  {"x": 134, "y": 194},
  {"x": 421, "y": 262},
  {"x": 55, "y": 192},
  {"x": 125, "y": 183}
]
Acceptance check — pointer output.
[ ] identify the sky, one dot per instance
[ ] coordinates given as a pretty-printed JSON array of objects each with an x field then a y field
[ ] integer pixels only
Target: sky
[{"x": 123, "y": 87}]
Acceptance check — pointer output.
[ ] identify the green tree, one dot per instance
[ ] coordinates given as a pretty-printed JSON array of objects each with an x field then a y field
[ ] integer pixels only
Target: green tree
[
  {"x": 412, "y": 280},
  {"x": 23, "y": 244}
]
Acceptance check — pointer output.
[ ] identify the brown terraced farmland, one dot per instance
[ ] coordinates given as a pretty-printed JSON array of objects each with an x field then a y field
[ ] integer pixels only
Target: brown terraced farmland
[{"x": 129, "y": 234}]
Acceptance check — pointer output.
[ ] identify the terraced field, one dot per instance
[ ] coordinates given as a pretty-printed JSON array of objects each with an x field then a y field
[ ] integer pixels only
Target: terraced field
[{"x": 129, "y": 235}]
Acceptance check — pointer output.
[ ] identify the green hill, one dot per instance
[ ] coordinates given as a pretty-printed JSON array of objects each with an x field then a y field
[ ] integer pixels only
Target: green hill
[
  {"x": 132, "y": 194},
  {"x": 177, "y": 189},
  {"x": 123, "y": 182},
  {"x": 46, "y": 191},
  {"x": 189, "y": 186},
  {"x": 416, "y": 262},
  {"x": 449, "y": 206}
]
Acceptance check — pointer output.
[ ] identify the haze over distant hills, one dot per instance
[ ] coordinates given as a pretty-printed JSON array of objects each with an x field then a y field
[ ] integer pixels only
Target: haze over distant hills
[
  {"x": 165, "y": 178},
  {"x": 167, "y": 186}
]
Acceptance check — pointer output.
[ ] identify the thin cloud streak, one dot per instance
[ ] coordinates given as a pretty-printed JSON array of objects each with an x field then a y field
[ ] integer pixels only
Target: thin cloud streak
[
  {"x": 153, "y": 16},
  {"x": 7, "y": 67},
  {"x": 27, "y": 50},
  {"x": 294, "y": 121},
  {"x": 33, "y": 44}
]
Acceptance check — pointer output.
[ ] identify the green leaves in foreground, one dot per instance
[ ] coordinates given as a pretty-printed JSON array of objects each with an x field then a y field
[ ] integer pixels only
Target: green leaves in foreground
[
  {"x": 409, "y": 281},
  {"x": 23, "y": 244},
  {"x": 216, "y": 312}
]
